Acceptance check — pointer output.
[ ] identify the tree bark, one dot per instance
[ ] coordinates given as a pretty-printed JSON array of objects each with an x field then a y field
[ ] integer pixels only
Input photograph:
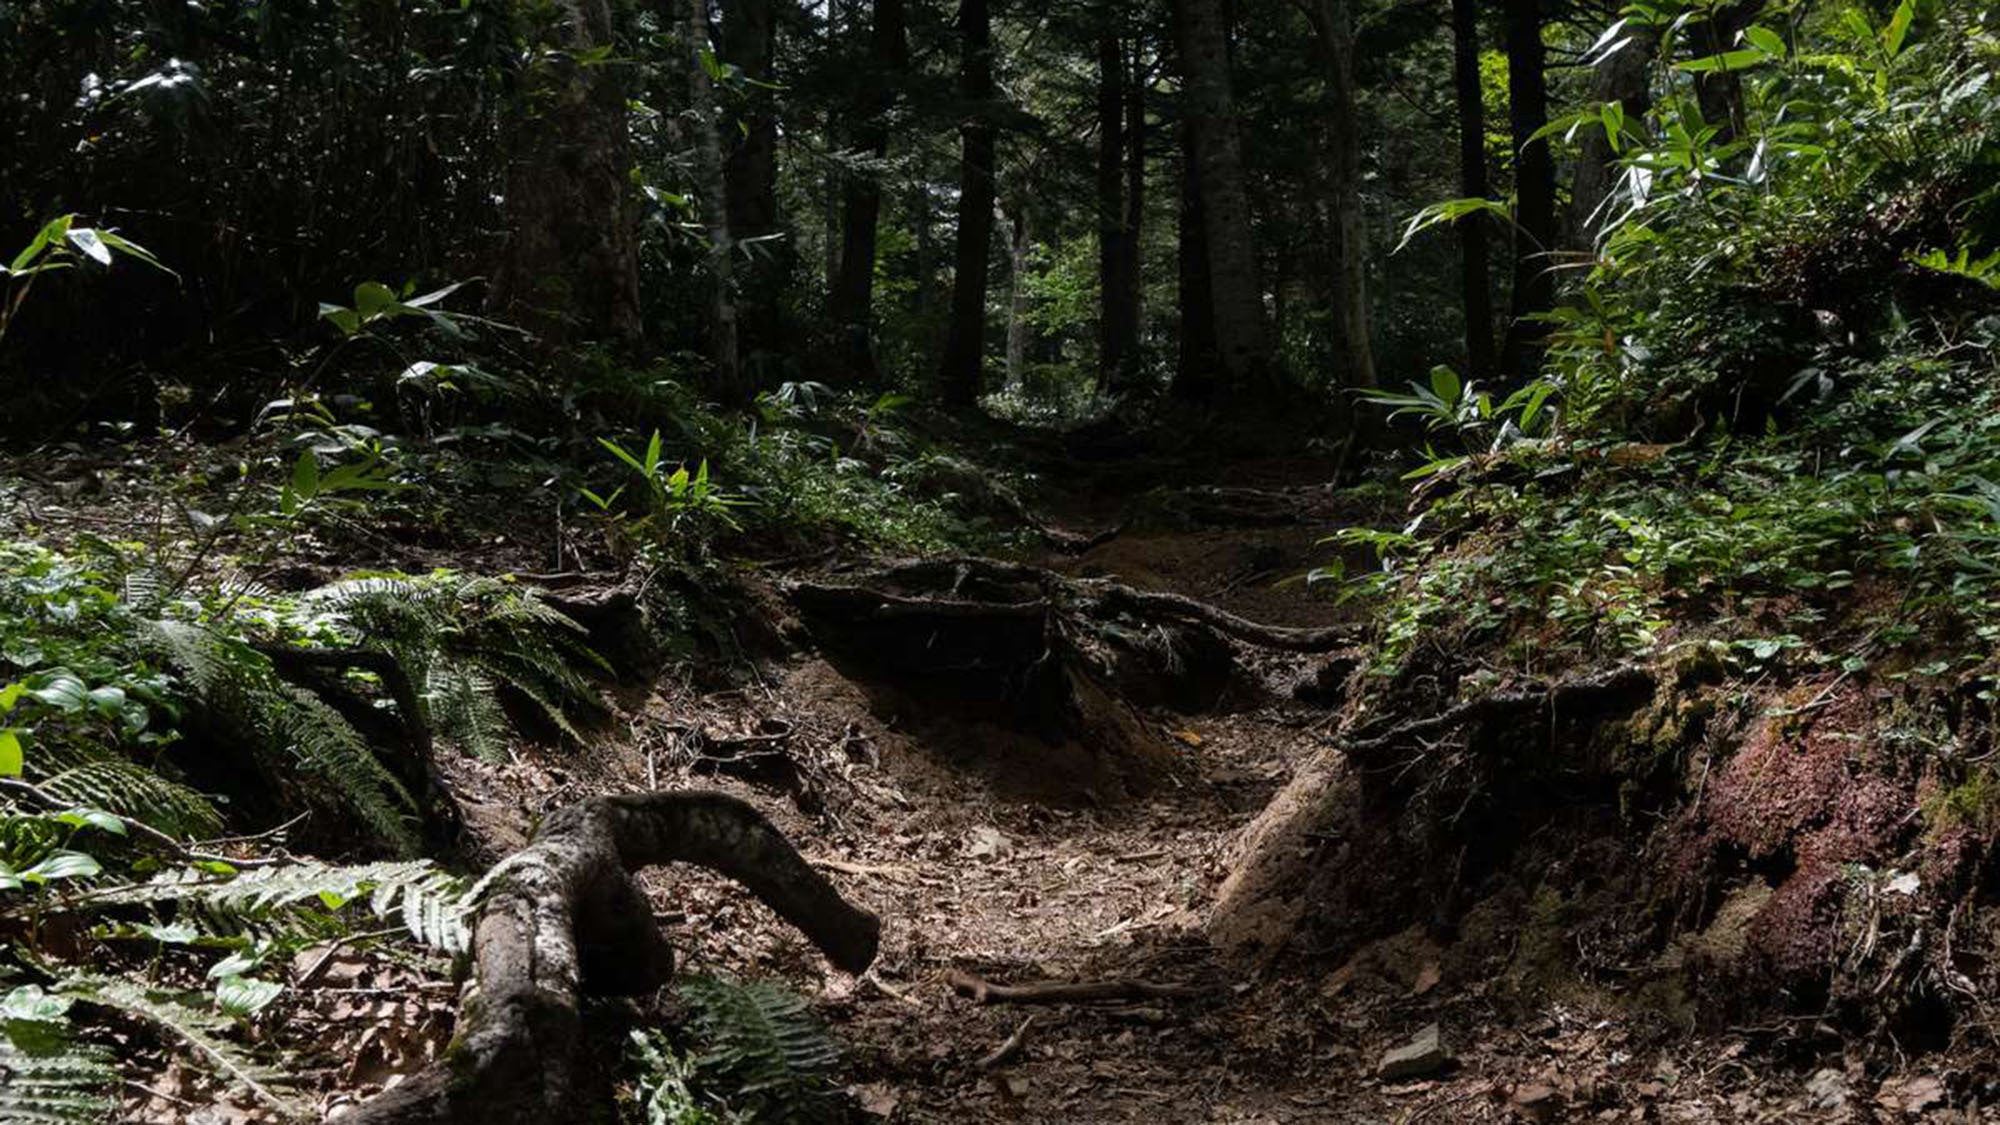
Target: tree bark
[
  {"x": 1117, "y": 233},
  {"x": 1475, "y": 282},
  {"x": 1195, "y": 373},
  {"x": 1132, "y": 303},
  {"x": 965, "y": 342},
  {"x": 851, "y": 303},
  {"x": 1333, "y": 27},
  {"x": 1534, "y": 187},
  {"x": 1020, "y": 243},
  {"x": 570, "y": 268},
  {"x": 1720, "y": 93},
  {"x": 1623, "y": 76},
  {"x": 750, "y": 174},
  {"x": 1237, "y": 297},
  {"x": 727, "y": 377},
  {"x": 565, "y": 919}
]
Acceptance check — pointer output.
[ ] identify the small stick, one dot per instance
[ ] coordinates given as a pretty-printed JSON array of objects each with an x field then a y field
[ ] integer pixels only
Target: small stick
[
  {"x": 893, "y": 993},
  {"x": 849, "y": 868},
  {"x": 1139, "y": 857},
  {"x": 1008, "y": 1049},
  {"x": 1066, "y": 992}
]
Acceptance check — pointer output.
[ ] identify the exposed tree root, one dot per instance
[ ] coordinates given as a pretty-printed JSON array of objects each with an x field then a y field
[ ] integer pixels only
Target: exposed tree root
[
  {"x": 1068, "y": 992},
  {"x": 563, "y": 918}
]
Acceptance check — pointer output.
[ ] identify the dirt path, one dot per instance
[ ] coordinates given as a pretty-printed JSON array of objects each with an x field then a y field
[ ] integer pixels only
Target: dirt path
[{"x": 987, "y": 860}]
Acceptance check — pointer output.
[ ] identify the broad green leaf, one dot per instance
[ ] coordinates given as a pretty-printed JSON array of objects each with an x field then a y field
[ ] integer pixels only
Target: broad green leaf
[
  {"x": 305, "y": 475},
  {"x": 340, "y": 317},
  {"x": 62, "y": 865},
  {"x": 1446, "y": 385},
  {"x": 29, "y": 1002},
  {"x": 10, "y": 695},
  {"x": 1767, "y": 41},
  {"x": 95, "y": 818},
  {"x": 243, "y": 997},
  {"x": 373, "y": 299},
  {"x": 1899, "y": 28},
  {"x": 132, "y": 249},
  {"x": 1727, "y": 60},
  {"x": 56, "y": 229},
  {"x": 93, "y": 247},
  {"x": 434, "y": 296},
  {"x": 62, "y": 691}
]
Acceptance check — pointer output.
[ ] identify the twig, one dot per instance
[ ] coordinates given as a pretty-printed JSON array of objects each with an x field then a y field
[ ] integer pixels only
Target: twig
[
  {"x": 312, "y": 970},
  {"x": 890, "y": 991},
  {"x": 848, "y": 868},
  {"x": 1008, "y": 1049},
  {"x": 1067, "y": 992}
]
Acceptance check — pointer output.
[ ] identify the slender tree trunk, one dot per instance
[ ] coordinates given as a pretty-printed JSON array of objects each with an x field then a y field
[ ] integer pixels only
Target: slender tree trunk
[
  {"x": 1237, "y": 298},
  {"x": 965, "y": 342},
  {"x": 1019, "y": 245},
  {"x": 723, "y": 351},
  {"x": 1720, "y": 93},
  {"x": 1195, "y": 374},
  {"x": 749, "y": 43},
  {"x": 1534, "y": 187},
  {"x": 1117, "y": 232},
  {"x": 1476, "y": 292},
  {"x": 1623, "y": 77},
  {"x": 1333, "y": 25},
  {"x": 851, "y": 302},
  {"x": 1131, "y": 248},
  {"x": 570, "y": 267}
]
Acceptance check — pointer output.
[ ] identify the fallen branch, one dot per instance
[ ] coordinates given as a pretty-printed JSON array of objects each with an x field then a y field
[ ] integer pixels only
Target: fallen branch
[
  {"x": 1067, "y": 992},
  {"x": 563, "y": 918},
  {"x": 1008, "y": 1049}
]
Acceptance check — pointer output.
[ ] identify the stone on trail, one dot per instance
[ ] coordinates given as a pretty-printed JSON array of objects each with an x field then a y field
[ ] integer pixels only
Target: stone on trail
[{"x": 1423, "y": 1054}]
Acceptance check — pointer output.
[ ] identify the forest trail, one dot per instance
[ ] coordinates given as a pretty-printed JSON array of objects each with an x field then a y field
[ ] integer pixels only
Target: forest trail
[{"x": 989, "y": 864}]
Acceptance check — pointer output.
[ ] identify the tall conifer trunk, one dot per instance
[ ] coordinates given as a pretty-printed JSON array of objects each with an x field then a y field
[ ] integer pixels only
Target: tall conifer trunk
[{"x": 965, "y": 341}]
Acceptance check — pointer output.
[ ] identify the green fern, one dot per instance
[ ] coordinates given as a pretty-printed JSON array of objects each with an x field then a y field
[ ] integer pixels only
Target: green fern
[
  {"x": 432, "y": 904},
  {"x": 119, "y": 786},
  {"x": 763, "y": 1051},
  {"x": 466, "y": 714},
  {"x": 69, "y": 1085},
  {"x": 199, "y": 1030}
]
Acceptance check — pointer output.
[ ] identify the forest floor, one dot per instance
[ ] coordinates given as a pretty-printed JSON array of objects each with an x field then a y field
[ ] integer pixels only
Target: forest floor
[{"x": 988, "y": 859}]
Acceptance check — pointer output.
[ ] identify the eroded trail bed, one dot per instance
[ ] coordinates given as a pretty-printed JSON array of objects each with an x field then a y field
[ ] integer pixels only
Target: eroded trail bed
[{"x": 993, "y": 859}]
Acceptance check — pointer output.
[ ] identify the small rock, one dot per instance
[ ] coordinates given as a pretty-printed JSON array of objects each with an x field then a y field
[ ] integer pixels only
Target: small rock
[
  {"x": 1537, "y": 1102},
  {"x": 1423, "y": 1054},
  {"x": 986, "y": 842},
  {"x": 1826, "y": 1089}
]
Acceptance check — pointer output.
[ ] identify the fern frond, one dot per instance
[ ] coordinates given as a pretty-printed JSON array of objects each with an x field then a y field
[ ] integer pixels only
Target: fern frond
[
  {"x": 433, "y": 904},
  {"x": 466, "y": 715},
  {"x": 130, "y": 790},
  {"x": 762, "y": 1045},
  {"x": 70, "y": 1086},
  {"x": 199, "y": 1030}
]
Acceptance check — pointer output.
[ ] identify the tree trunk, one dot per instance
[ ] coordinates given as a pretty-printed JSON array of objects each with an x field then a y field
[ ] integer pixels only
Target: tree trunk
[
  {"x": 1475, "y": 284},
  {"x": 1720, "y": 92},
  {"x": 965, "y": 342},
  {"x": 1131, "y": 271},
  {"x": 1117, "y": 234},
  {"x": 1534, "y": 187},
  {"x": 750, "y": 174},
  {"x": 570, "y": 268},
  {"x": 851, "y": 302},
  {"x": 1333, "y": 26},
  {"x": 1198, "y": 365},
  {"x": 727, "y": 378},
  {"x": 1623, "y": 76},
  {"x": 1237, "y": 298},
  {"x": 1019, "y": 244}
]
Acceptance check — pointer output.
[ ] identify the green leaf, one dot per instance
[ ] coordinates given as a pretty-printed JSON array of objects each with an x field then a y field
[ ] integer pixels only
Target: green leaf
[
  {"x": 93, "y": 247},
  {"x": 341, "y": 317},
  {"x": 63, "y": 865},
  {"x": 11, "y": 694},
  {"x": 1899, "y": 28},
  {"x": 305, "y": 475},
  {"x": 653, "y": 454},
  {"x": 133, "y": 250},
  {"x": 96, "y": 818},
  {"x": 1726, "y": 61},
  {"x": 62, "y": 691},
  {"x": 1767, "y": 41},
  {"x": 243, "y": 997},
  {"x": 55, "y": 230},
  {"x": 373, "y": 299},
  {"x": 11, "y": 758},
  {"x": 1446, "y": 385}
]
